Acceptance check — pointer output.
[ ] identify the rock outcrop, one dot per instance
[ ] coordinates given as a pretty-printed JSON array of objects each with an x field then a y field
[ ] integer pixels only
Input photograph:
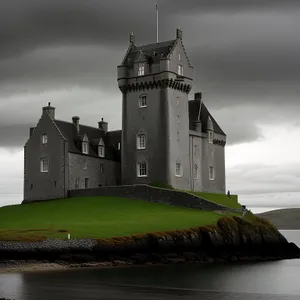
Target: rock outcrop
[{"x": 231, "y": 239}]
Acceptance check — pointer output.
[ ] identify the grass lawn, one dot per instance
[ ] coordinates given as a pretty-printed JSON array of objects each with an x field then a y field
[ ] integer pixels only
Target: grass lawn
[
  {"x": 96, "y": 217},
  {"x": 222, "y": 199}
]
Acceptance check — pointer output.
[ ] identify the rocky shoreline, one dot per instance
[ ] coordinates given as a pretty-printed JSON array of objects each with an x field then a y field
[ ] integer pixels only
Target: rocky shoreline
[{"x": 232, "y": 239}]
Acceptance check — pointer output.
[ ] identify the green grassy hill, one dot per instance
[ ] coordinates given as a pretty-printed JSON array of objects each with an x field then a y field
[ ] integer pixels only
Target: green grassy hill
[
  {"x": 96, "y": 217},
  {"x": 284, "y": 218}
]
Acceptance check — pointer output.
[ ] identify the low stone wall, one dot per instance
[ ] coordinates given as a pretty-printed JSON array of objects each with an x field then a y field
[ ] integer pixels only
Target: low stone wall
[
  {"x": 153, "y": 194},
  {"x": 231, "y": 239}
]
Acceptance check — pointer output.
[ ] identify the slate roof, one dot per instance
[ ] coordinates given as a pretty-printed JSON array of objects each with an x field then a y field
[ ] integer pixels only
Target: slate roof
[
  {"x": 110, "y": 139},
  {"x": 204, "y": 114},
  {"x": 162, "y": 50}
]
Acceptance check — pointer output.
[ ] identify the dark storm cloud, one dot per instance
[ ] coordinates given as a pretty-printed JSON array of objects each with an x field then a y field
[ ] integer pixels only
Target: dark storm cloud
[{"x": 243, "y": 52}]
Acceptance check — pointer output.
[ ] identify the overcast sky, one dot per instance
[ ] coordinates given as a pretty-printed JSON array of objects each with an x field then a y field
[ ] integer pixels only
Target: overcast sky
[{"x": 246, "y": 60}]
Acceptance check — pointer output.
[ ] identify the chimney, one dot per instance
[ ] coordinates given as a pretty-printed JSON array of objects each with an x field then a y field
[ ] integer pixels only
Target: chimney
[
  {"x": 178, "y": 34},
  {"x": 198, "y": 96},
  {"x": 132, "y": 38},
  {"x": 103, "y": 125},
  {"x": 31, "y": 130},
  {"x": 50, "y": 110},
  {"x": 76, "y": 123}
]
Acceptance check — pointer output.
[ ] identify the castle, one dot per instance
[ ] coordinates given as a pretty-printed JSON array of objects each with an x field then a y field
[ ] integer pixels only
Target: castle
[{"x": 165, "y": 138}]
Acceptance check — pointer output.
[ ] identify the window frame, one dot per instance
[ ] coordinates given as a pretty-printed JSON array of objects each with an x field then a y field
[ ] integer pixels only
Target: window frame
[
  {"x": 141, "y": 69},
  {"x": 101, "y": 151},
  {"x": 180, "y": 70},
  {"x": 178, "y": 172},
  {"x": 85, "y": 150},
  {"x": 138, "y": 141},
  {"x": 139, "y": 169},
  {"x": 44, "y": 138},
  {"x": 143, "y": 101},
  {"x": 211, "y": 173},
  {"x": 43, "y": 167}
]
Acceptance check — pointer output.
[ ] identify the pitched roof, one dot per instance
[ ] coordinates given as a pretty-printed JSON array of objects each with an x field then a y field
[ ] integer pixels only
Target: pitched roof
[
  {"x": 194, "y": 106},
  {"x": 111, "y": 139},
  {"x": 154, "y": 52}
]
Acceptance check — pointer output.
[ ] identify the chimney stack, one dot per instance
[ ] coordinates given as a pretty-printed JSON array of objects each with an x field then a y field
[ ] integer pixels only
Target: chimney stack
[
  {"x": 103, "y": 125},
  {"x": 49, "y": 110},
  {"x": 76, "y": 123},
  {"x": 198, "y": 96},
  {"x": 132, "y": 38}
]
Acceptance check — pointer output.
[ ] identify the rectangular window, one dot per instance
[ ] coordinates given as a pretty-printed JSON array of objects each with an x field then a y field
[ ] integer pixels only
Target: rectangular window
[
  {"x": 210, "y": 137},
  {"x": 143, "y": 101},
  {"x": 195, "y": 172},
  {"x": 141, "y": 69},
  {"x": 178, "y": 169},
  {"x": 179, "y": 56},
  {"x": 101, "y": 168},
  {"x": 86, "y": 183},
  {"x": 44, "y": 165},
  {"x": 101, "y": 151},
  {"x": 119, "y": 146},
  {"x": 211, "y": 173},
  {"x": 77, "y": 183},
  {"x": 180, "y": 70},
  {"x": 85, "y": 148},
  {"x": 44, "y": 138},
  {"x": 141, "y": 141},
  {"x": 54, "y": 183},
  {"x": 142, "y": 169},
  {"x": 84, "y": 165}
]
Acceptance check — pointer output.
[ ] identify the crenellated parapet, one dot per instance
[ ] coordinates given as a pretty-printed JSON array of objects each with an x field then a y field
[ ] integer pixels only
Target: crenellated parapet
[
  {"x": 219, "y": 142},
  {"x": 156, "y": 84}
]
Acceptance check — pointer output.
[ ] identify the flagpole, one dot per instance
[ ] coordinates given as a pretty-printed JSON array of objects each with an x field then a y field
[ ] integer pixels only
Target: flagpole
[{"x": 157, "y": 22}]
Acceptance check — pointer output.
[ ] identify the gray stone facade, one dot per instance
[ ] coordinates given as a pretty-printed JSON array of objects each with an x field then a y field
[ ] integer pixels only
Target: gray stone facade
[{"x": 182, "y": 144}]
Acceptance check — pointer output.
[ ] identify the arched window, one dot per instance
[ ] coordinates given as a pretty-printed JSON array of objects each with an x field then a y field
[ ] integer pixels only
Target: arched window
[
  {"x": 195, "y": 172},
  {"x": 178, "y": 168},
  {"x": 101, "y": 148},
  {"x": 142, "y": 168}
]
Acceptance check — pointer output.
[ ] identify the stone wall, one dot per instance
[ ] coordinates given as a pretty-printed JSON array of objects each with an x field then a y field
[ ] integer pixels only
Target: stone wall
[{"x": 153, "y": 194}]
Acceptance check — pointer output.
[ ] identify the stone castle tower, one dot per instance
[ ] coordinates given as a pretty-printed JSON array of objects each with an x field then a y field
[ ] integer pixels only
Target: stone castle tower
[{"x": 155, "y": 81}]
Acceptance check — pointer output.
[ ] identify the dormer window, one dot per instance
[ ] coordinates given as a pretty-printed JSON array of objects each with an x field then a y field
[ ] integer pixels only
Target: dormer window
[
  {"x": 210, "y": 137},
  {"x": 44, "y": 138},
  {"x": 101, "y": 151},
  {"x": 143, "y": 101},
  {"x": 180, "y": 70},
  {"x": 85, "y": 147},
  {"x": 141, "y": 69}
]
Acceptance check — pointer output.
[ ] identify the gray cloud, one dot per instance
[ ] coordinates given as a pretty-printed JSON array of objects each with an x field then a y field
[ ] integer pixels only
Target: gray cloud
[{"x": 245, "y": 53}]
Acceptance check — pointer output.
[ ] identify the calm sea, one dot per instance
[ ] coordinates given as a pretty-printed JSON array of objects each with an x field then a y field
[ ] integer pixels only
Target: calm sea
[{"x": 248, "y": 281}]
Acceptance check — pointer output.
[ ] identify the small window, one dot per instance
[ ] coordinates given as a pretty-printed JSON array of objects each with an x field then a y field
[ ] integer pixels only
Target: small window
[
  {"x": 85, "y": 165},
  {"x": 178, "y": 118},
  {"x": 77, "y": 183},
  {"x": 54, "y": 183},
  {"x": 211, "y": 173},
  {"x": 44, "y": 138},
  {"x": 86, "y": 183},
  {"x": 119, "y": 146},
  {"x": 210, "y": 137},
  {"x": 44, "y": 165},
  {"x": 101, "y": 151},
  {"x": 179, "y": 56},
  {"x": 177, "y": 135},
  {"x": 143, "y": 101},
  {"x": 180, "y": 70},
  {"x": 177, "y": 101},
  {"x": 101, "y": 168},
  {"x": 178, "y": 169},
  {"x": 31, "y": 187},
  {"x": 141, "y": 141},
  {"x": 142, "y": 169},
  {"x": 85, "y": 147},
  {"x": 141, "y": 69},
  {"x": 195, "y": 172}
]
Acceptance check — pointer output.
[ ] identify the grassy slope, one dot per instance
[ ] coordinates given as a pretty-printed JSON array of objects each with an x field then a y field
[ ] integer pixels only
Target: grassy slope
[
  {"x": 222, "y": 199},
  {"x": 283, "y": 218},
  {"x": 97, "y": 217}
]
